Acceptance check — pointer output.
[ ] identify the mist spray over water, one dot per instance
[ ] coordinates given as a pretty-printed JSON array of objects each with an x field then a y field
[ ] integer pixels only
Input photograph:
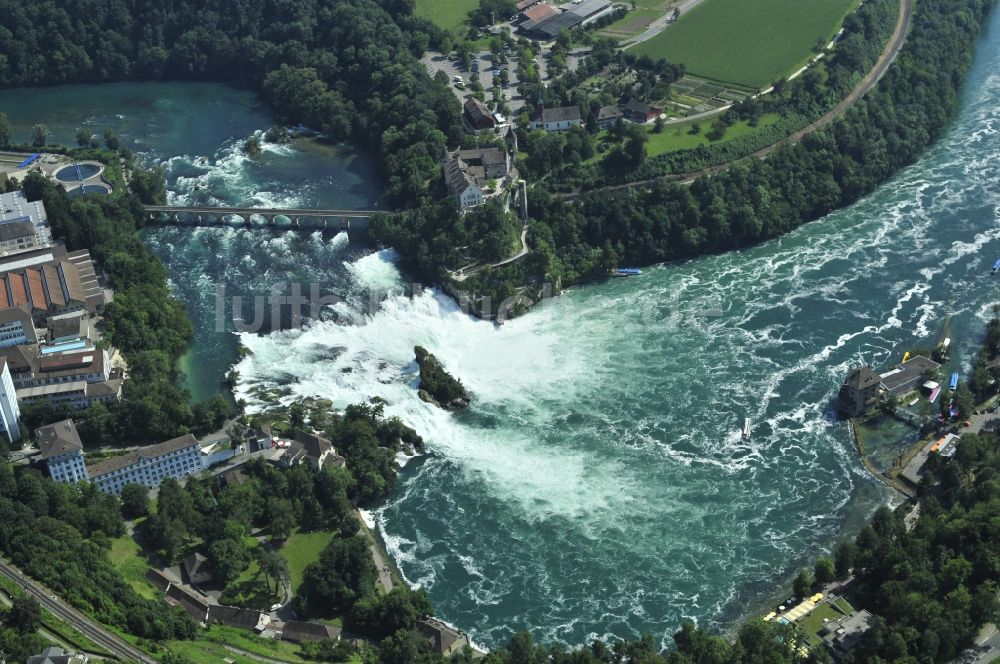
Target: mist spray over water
[{"x": 598, "y": 485}]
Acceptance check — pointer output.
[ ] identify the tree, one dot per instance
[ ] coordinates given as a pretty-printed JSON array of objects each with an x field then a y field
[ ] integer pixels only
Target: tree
[
  {"x": 297, "y": 415},
  {"x": 110, "y": 140},
  {"x": 343, "y": 575},
  {"x": 381, "y": 615},
  {"x": 6, "y": 131},
  {"x": 149, "y": 185},
  {"x": 844, "y": 555},
  {"x": 273, "y": 565},
  {"x": 802, "y": 584},
  {"x": 39, "y": 135},
  {"x": 25, "y": 615},
  {"x": 135, "y": 501},
  {"x": 229, "y": 558},
  {"x": 83, "y": 136},
  {"x": 825, "y": 570},
  {"x": 281, "y": 517},
  {"x": 964, "y": 400}
]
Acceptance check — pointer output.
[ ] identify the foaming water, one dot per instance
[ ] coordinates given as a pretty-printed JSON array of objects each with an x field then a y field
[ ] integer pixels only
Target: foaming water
[
  {"x": 196, "y": 132},
  {"x": 599, "y": 485}
]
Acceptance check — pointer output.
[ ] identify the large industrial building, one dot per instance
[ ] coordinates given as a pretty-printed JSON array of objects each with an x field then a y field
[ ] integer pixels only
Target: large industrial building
[{"x": 551, "y": 25}]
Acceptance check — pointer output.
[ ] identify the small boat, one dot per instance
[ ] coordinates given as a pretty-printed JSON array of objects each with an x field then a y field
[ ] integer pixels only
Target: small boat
[
  {"x": 996, "y": 267},
  {"x": 746, "y": 428},
  {"x": 954, "y": 381},
  {"x": 626, "y": 272},
  {"x": 934, "y": 394}
]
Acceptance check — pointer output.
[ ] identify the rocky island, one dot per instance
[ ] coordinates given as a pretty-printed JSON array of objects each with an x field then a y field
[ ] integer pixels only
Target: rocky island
[{"x": 437, "y": 386}]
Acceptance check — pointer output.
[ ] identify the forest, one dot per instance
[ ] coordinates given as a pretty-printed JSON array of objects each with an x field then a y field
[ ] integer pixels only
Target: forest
[
  {"x": 344, "y": 67},
  {"x": 755, "y": 199},
  {"x": 59, "y": 534}
]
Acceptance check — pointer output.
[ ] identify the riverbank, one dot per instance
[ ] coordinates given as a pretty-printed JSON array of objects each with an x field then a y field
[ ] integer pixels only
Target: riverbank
[{"x": 724, "y": 212}]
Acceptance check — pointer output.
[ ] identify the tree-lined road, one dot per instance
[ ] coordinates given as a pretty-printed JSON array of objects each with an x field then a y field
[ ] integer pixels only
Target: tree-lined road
[{"x": 92, "y": 630}]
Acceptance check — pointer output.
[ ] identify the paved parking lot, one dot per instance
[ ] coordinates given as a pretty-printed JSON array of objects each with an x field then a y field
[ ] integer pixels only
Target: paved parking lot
[{"x": 435, "y": 62}]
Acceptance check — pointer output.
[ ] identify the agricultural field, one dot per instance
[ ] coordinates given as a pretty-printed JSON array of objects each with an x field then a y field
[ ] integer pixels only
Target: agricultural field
[
  {"x": 631, "y": 24},
  {"x": 446, "y": 14},
  {"x": 748, "y": 42}
]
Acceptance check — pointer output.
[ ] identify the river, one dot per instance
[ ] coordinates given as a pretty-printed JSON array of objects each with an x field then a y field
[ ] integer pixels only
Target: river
[{"x": 599, "y": 484}]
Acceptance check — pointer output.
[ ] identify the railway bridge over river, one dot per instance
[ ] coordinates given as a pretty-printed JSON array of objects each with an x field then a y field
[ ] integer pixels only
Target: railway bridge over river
[{"x": 181, "y": 215}]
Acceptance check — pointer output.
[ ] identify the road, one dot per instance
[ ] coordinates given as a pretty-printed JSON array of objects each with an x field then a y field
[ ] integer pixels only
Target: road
[
  {"x": 657, "y": 26},
  {"x": 463, "y": 274},
  {"x": 874, "y": 75},
  {"x": 95, "y": 632},
  {"x": 870, "y": 80},
  {"x": 384, "y": 571},
  {"x": 987, "y": 648}
]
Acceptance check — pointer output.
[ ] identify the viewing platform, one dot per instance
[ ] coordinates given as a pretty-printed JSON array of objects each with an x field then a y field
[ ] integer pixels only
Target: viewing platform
[{"x": 181, "y": 215}]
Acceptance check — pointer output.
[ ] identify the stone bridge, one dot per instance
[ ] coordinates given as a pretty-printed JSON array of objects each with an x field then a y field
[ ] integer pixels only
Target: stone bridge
[{"x": 182, "y": 215}]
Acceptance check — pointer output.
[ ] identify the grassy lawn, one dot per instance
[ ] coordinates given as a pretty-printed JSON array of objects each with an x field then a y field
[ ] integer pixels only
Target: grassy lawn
[
  {"x": 251, "y": 590},
  {"x": 127, "y": 557},
  {"x": 301, "y": 549},
  {"x": 446, "y": 14},
  {"x": 679, "y": 136},
  {"x": 209, "y": 645},
  {"x": 812, "y": 622},
  {"x": 206, "y": 652},
  {"x": 749, "y": 42}
]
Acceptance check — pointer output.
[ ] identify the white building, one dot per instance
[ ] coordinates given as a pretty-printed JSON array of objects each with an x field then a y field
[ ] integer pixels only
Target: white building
[
  {"x": 10, "y": 413},
  {"x": 557, "y": 119},
  {"x": 23, "y": 225},
  {"x": 148, "y": 466},
  {"x": 77, "y": 394},
  {"x": 61, "y": 448},
  {"x": 469, "y": 174}
]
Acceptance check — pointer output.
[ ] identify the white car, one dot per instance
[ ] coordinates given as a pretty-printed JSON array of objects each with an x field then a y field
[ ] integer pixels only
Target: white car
[{"x": 275, "y": 607}]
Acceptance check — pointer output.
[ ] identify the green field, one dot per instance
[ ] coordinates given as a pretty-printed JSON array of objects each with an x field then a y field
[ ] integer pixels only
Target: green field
[
  {"x": 679, "y": 136},
  {"x": 446, "y": 14},
  {"x": 126, "y": 555},
  {"x": 302, "y": 549},
  {"x": 811, "y": 623},
  {"x": 748, "y": 42}
]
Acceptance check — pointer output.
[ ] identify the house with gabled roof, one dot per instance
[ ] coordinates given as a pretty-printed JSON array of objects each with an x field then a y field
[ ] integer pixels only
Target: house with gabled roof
[{"x": 556, "y": 119}]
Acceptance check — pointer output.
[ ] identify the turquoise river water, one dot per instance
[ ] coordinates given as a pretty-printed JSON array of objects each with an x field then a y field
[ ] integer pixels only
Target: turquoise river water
[{"x": 599, "y": 484}]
